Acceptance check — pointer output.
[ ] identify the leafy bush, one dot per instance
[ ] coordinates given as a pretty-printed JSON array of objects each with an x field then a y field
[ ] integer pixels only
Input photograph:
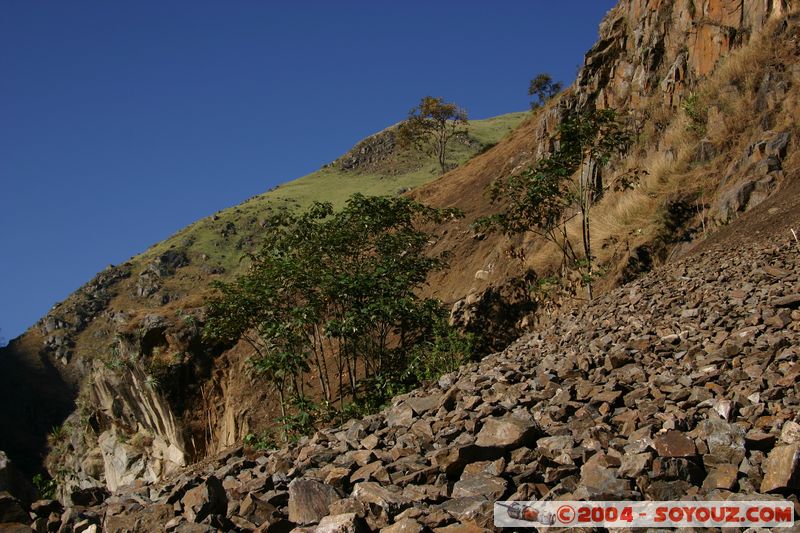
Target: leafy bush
[
  {"x": 263, "y": 441},
  {"x": 543, "y": 88},
  {"x": 545, "y": 197},
  {"x": 333, "y": 289},
  {"x": 697, "y": 112},
  {"x": 444, "y": 352}
]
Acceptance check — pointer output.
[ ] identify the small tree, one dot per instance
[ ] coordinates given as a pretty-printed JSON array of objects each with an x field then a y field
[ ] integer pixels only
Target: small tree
[
  {"x": 545, "y": 197},
  {"x": 543, "y": 88},
  {"x": 432, "y": 125}
]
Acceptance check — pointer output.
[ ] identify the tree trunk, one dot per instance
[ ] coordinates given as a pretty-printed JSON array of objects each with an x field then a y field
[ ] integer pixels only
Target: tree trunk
[
  {"x": 283, "y": 413},
  {"x": 585, "y": 193}
]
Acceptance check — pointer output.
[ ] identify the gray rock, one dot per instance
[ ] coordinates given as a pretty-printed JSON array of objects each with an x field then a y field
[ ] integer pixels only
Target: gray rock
[
  {"x": 309, "y": 500},
  {"x": 11, "y": 510}
]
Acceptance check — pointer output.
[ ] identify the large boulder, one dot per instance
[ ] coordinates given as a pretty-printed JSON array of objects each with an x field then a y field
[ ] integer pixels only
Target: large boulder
[
  {"x": 207, "y": 499},
  {"x": 11, "y": 510},
  {"x": 782, "y": 469},
  {"x": 508, "y": 432},
  {"x": 13, "y": 482},
  {"x": 309, "y": 501}
]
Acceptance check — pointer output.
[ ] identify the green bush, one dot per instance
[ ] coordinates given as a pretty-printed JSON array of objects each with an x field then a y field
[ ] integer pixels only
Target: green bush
[
  {"x": 334, "y": 294},
  {"x": 45, "y": 486},
  {"x": 697, "y": 112}
]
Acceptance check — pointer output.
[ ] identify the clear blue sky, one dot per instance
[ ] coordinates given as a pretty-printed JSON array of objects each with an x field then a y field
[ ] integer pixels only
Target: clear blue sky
[{"x": 121, "y": 122}]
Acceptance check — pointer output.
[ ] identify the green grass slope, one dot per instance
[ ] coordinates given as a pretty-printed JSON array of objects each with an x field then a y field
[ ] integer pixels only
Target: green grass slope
[{"x": 220, "y": 240}]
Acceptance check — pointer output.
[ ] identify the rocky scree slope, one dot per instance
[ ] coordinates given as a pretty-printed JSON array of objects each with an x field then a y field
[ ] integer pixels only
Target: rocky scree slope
[{"x": 683, "y": 384}]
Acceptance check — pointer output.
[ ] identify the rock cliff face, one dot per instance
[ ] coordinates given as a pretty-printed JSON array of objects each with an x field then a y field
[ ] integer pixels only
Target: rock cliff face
[
  {"x": 158, "y": 399},
  {"x": 664, "y": 48}
]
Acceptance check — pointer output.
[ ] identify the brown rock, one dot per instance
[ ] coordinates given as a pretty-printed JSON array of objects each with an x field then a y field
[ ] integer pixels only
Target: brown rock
[
  {"x": 725, "y": 442},
  {"x": 140, "y": 520},
  {"x": 507, "y": 432},
  {"x": 556, "y": 448},
  {"x": 401, "y": 415},
  {"x": 674, "y": 444},
  {"x": 672, "y": 468},
  {"x": 599, "y": 480},
  {"x": 792, "y": 301},
  {"x": 634, "y": 464},
  {"x": 453, "y": 460},
  {"x": 483, "y": 484},
  {"x": 371, "y": 493},
  {"x": 15, "y": 527},
  {"x": 256, "y": 510},
  {"x": 790, "y": 434},
  {"x": 342, "y": 523},
  {"x": 348, "y": 505},
  {"x": 207, "y": 499},
  {"x": 461, "y": 527},
  {"x": 373, "y": 470},
  {"x": 337, "y": 476},
  {"x": 474, "y": 509},
  {"x": 667, "y": 490},
  {"x": 782, "y": 469},
  {"x": 406, "y": 525},
  {"x": 494, "y": 468},
  {"x": 423, "y": 404},
  {"x": 370, "y": 442},
  {"x": 721, "y": 477},
  {"x": 43, "y": 508}
]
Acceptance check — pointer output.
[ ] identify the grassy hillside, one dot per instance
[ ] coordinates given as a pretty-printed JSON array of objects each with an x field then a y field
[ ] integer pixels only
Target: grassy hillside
[{"x": 218, "y": 240}]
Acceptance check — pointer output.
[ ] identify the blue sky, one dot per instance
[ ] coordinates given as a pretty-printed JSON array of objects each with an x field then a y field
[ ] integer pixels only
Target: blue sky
[{"x": 121, "y": 122}]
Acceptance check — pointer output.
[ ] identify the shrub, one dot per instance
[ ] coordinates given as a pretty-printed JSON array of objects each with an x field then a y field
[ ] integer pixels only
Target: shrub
[{"x": 333, "y": 289}]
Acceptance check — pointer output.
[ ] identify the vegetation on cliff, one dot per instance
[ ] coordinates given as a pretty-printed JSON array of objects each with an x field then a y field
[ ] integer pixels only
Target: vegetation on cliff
[
  {"x": 546, "y": 196},
  {"x": 331, "y": 295}
]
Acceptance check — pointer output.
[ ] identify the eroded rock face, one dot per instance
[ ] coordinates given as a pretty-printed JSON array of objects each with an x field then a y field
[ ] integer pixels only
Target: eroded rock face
[
  {"x": 652, "y": 46},
  {"x": 752, "y": 178},
  {"x": 129, "y": 399}
]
